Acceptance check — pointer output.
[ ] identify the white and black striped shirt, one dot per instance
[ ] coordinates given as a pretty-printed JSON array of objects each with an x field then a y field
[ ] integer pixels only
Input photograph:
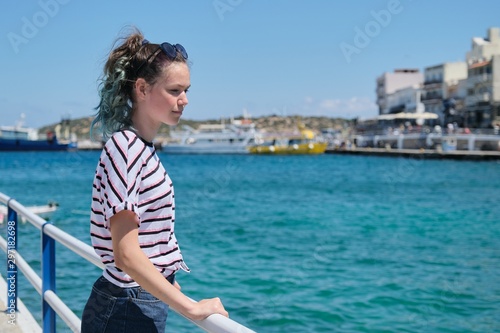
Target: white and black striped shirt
[{"x": 130, "y": 176}]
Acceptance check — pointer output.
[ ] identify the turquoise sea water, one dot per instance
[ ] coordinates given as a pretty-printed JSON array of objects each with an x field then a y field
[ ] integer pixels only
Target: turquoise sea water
[{"x": 325, "y": 243}]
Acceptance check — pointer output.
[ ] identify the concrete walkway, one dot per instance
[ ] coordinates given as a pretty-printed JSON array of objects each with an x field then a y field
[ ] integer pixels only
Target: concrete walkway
[{"x": 20, "y": 322}]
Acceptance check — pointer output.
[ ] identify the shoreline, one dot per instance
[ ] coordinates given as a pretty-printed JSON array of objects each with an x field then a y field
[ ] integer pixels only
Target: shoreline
[{"x": 469, "y": 155}]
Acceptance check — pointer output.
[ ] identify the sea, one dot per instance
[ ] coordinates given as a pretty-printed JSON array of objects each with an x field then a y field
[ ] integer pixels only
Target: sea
[{"x": 327, "y": 243}]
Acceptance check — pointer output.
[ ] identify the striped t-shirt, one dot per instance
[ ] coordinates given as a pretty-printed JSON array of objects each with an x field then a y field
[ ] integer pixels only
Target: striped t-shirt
[{"x": 130, "y": 176}]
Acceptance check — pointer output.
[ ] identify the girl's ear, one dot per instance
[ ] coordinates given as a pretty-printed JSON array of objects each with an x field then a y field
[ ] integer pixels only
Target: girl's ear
[{"x": 140, "y": 88}]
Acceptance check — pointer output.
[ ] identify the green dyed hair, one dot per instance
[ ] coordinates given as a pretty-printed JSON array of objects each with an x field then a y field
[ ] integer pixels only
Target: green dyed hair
[{"x": 116, "y": 105}]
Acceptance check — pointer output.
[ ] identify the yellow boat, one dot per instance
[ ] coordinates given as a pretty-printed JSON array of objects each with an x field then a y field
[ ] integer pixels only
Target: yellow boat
[{"x": 304, "y": 143}]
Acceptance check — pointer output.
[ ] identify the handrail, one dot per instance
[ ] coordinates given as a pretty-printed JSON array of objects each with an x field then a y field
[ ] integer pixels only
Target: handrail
[
  {"x": 213, "y": 324},
  {"x": 23, "y": 266}
]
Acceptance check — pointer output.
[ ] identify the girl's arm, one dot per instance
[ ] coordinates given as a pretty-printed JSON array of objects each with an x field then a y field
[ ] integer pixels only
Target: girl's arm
[{"x": 130, "y": 258}]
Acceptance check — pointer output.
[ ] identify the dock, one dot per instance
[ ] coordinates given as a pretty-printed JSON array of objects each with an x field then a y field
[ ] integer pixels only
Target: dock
[
  {"x": 473, "y": 155},
  {"x": 21, "y": 321}
]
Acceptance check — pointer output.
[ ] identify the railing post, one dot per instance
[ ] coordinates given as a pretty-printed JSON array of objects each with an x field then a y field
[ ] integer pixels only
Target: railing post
[
  {"x": 11, "y": 262},
  {"x": 48, "y": 280}
]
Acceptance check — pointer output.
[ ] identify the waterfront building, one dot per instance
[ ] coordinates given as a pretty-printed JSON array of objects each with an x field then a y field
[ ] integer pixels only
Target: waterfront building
[
  {"x": 388, "y": 83},
  {"x": 484, "y": 48},
  {"x": 444, "y": 91},
  {"x": 406, "y": 99},
  {"x": 482, "y": 102}
]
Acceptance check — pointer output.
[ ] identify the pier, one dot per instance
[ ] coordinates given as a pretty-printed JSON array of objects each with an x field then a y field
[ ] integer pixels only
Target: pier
[
  {"x": 21, "y": 321},
  {"x": 428, "y": 145},
  {"x": 472, "y": 155}
]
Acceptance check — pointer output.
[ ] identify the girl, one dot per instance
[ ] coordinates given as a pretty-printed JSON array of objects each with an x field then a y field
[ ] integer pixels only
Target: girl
[{"x": 133, "y": 209}]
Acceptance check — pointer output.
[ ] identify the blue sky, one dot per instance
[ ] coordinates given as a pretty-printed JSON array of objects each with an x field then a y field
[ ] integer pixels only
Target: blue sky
[{"x": 281, "y": 57}]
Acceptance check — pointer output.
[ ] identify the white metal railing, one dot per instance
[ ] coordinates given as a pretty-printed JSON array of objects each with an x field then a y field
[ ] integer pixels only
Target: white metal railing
[{"x": 213, "y": 324}]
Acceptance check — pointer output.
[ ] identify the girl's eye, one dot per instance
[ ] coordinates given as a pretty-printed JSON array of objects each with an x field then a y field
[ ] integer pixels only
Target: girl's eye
[{"x": 178, "y": 91}]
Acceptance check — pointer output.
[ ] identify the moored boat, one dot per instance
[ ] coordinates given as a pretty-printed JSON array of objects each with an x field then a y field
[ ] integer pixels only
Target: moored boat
[
  {"x": 20, "y": 138},
  {"x": 43, "y": 211},
  {"x": 306, "y": 142},
  {"x": 233, "y": 138}
]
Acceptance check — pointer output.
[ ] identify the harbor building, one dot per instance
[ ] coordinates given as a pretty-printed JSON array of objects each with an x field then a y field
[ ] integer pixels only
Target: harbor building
[
  {"x": 484, "y": 48},
  {"x": 388, "y": 83},
  {"x": 482, "y": 102},
  {"x": 444, "y": 91},
  {"x": 406, "y": 99}
]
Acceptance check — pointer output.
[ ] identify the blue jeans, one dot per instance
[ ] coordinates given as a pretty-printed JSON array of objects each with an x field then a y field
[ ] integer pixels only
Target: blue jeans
[{"x": 111, "y": 309}]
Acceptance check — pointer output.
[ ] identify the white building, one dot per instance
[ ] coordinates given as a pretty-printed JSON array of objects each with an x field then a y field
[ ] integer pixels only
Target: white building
[
  {"x": 388, "y": 83},
  {"x": 484, "y": 48},
  {"x": 483, "y": 93},
  {"x": 442, "y": 89},
  {"x": 406, "y": 100},
  {"x": 482, "y": 102}
]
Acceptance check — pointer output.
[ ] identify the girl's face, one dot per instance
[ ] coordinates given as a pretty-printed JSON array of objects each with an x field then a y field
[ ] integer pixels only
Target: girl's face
[{"x": 165, "y": 100}]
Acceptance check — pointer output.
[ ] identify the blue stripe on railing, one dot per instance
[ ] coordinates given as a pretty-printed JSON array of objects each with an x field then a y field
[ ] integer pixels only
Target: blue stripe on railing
[
  {"x": 11, "y": 258},
  {"x": 48, "y": 279}
]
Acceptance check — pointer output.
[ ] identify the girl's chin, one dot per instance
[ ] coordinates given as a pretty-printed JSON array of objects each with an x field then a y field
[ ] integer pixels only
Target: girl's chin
[{"x": 173, "y": 122}]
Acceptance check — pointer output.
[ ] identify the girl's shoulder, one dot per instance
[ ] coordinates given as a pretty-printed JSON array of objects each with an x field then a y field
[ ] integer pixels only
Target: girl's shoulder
[{"x": 127, "y": 138}]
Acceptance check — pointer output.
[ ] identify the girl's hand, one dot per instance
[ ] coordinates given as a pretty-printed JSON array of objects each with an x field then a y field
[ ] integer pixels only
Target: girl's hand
[{"x": 207, "y": 307}]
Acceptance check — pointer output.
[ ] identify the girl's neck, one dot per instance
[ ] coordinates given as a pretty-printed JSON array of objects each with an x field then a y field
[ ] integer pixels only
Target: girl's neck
[{"x": 145, "y": 129}]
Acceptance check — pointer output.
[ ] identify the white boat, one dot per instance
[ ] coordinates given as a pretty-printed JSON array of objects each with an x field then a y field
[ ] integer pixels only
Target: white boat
[
  {"x": 233, "y": 138},
  {"x": 43, "y": 211}
]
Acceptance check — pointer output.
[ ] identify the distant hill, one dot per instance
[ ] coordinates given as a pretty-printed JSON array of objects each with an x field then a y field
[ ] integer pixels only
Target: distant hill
[{"x": 273, "y": 123}]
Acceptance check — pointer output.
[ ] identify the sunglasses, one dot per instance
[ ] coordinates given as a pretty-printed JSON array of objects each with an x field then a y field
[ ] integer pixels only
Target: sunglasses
[{"x": 169, "y": 50}]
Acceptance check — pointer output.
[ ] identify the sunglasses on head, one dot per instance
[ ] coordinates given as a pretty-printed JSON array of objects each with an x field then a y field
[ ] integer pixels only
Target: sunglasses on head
[{"x": 169, "y": 50}]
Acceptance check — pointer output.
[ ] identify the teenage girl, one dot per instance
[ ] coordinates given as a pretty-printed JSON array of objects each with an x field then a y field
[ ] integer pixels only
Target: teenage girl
[{"x": 133, "y": 209}]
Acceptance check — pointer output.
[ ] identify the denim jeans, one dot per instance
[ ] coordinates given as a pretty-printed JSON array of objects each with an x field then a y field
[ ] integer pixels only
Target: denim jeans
[{"x": 111, "y": 309}]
